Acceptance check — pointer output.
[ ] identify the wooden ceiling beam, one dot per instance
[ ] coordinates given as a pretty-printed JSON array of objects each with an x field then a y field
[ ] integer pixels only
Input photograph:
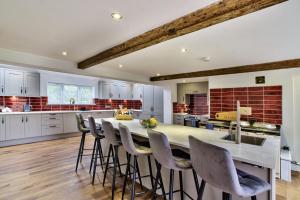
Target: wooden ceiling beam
[
  {"x": 212, "y": 14},
  {"x": 232, "y": 70}
]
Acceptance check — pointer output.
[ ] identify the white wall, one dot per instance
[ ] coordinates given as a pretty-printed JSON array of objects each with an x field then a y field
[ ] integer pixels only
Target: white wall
[{"x": 291, "y": 121}]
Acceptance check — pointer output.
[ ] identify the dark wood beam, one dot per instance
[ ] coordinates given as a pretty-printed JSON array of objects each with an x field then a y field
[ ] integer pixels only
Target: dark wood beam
[
  {"x": 213, "y": 14},
  {"x": 232, "y": 70}
]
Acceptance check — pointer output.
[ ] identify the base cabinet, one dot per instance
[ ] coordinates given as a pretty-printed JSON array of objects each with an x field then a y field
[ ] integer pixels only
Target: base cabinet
[
  {"x": 15, "y": 127},
  {"x": 2, "y": 128},
  {"x": 33, "y": 124},
  {"x": 70, "y": 123}
]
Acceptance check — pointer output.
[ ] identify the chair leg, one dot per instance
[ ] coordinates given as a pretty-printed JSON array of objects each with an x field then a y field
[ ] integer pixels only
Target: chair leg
[
  {"x": 150, "y": 171},
  {"x": 226, "y": 196},
  {"x": 133, "y": 178},
  {"x": 79, "y": 152},
  {"x": 158, "y": 167},
  {"x": 118, "y": 163},
  {"x": 171, "y": 184},
  {"x": 114, "y": 156},
  {"x": 93, "y": 155},
  {"x": 95, "y": 163},
  {"x": 139, "y": 174},
  {"x": 126, "y": 174},
  {"x": 82, "y": 147},
  {"x": 181, "y": 185},
  {"x": 253, "y": 198},
  {"x": 100, "y": 152},
  {"x": 107, "y": 163}
]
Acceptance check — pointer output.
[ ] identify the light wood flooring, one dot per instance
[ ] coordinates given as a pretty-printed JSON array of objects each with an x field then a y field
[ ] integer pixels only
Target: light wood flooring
[{"x": 45, "y": 170}]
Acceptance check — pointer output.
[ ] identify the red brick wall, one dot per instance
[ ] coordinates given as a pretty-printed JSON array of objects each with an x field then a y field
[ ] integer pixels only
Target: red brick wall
[
  {"x": 40, "y": 104},
  {"x": 266, "y": 102}
]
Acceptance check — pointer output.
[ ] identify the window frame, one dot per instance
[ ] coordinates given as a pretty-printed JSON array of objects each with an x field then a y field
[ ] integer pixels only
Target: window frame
[{"x": 78, "y": 95}]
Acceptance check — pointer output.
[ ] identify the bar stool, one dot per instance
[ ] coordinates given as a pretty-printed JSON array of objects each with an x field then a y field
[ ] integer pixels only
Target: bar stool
[
  {"x": 84, "y": 130},
  {"x": 97, "y": 146},
  {"x": 212, "y": 162},
  {"x": 114, "y": 142},
  {"x": 162, "y": 153},
  {"x": 135, "y": 150}
]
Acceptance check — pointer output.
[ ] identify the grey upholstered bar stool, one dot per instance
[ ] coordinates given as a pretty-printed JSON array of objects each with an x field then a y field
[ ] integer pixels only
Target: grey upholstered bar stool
[
  {"x": 216, "y": 167},
  {"x": 84, "y": 130},
  {"x": 162, "y": 153},
  {"x": 114, "y": 142},
  {"x": 97, "y": 150},
  {"x": 134, "y": 150}
]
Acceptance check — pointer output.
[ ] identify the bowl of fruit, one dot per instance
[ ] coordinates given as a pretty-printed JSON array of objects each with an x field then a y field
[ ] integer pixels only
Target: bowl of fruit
[{"x": 149, "y": 123}]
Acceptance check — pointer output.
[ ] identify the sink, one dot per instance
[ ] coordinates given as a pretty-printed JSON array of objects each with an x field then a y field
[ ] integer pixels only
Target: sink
[{"x": 247, "y": 139}]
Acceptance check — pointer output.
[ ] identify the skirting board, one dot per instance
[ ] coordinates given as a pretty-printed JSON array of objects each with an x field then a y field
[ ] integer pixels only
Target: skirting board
[{"x": 37, "y": 139}]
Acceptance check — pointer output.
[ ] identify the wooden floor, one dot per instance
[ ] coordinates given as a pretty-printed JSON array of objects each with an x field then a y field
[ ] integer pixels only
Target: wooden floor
[{"x": 45, "y": 170}]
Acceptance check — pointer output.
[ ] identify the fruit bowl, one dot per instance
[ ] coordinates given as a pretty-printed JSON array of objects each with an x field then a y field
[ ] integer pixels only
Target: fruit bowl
[{"x": 149, "y": 123}]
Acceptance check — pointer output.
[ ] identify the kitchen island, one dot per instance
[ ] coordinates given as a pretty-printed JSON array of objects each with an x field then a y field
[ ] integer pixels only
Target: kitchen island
[{"x": 254, "y": 159}]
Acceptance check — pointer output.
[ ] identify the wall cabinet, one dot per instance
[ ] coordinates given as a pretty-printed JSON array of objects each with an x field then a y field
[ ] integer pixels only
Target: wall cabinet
[
  {"x": 153, "y": 102},
  {"x": 137, "y": 92},
  {"x": 19, "y": 83},
  {"x": 2, "y": 128},
  {"x": 2, "y": 82},
  {"x": 33, "y": 124},
  {"x": 115, "y": 90}
]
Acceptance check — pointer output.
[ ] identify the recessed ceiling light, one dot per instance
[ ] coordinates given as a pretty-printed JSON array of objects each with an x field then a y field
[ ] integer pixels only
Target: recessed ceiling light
[
  {"x": 183, "y": 50},
  {"x": 184, "y": 81},
  {"x": 64, "y": 53},
  {"x": 116, "y": 16},
  {"x": 157, "y": 74},
  {"x": 120, "y": 65},
  {"x": 205, "y": 59}
]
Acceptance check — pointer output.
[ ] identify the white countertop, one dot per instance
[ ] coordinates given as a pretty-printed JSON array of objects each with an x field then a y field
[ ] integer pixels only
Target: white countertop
[
  {"x": 264, "y": 156},
  {"x": 59, "y": 111}
]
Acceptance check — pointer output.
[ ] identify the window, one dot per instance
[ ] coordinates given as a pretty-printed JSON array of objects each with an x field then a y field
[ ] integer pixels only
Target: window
[{"x": 62, "y": 94}]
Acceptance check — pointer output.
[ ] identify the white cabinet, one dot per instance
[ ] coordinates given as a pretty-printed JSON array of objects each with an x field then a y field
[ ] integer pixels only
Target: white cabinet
[
  {"x": 31, "y": 84},
  {"x": 14, "y": 127},
  {"x": 2, "y": 82},
  {"x": 148, "y": 99},
  {"x": 33, "y": 123},
  {"x": 115, "y": 90},
  {"x": 158, "y": 99},
  {"x": 2, "y": 128},
  {"x": 137, "y": 92},
  {"x": 153, "y": 102},
  {"x": 19, "y": 83},
  {"x": 14, "y": 83},
  {"x": 52, "y": 124},
  {"x": 70, "y": 123},
  {"x": 185, "y": 89}
]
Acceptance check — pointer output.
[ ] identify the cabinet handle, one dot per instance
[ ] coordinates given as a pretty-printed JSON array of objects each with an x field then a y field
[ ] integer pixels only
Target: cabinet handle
[
  {"x": 22, "y": 119},
  {"x": 21, "y": 90},
  {"x": 52, "y": 118},
  {"x": 26, "y": 119},
  {"x": 119, "y": 95},
  {"x": 25, "y": 90},
  {"x": 183, "y": 99},
  {"x": 2, "y": 89},
  {"x": 52, "y": 114},
  {"x": 53, "y": 126},
  {"x": 2, "y": 120}
]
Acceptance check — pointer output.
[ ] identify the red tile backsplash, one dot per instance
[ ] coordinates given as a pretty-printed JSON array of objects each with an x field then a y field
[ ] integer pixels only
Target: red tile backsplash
[
  {"x": 41, "y": 104},
  {"x": 198, "y": 105},
  {"x": 266, "y": 102}
]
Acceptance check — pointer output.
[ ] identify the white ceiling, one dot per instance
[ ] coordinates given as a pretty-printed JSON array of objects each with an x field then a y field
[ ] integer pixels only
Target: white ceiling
[{"x": 84, "y": 28}]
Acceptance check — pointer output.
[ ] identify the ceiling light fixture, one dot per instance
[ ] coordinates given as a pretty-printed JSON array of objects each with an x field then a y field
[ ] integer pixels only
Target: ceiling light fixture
[
  {"x": 120, "y": 65},
  {"x": 157, "y": 74},
  {"x": 183, "y": 50},
  {"x": 64, "y": 53},
  {"x": 116, "y": 16}
]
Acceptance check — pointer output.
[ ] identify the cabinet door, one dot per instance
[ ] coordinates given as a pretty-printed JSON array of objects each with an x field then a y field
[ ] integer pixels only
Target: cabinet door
[
  {"x": 33, "y": 125},
  {"x": 14, "y": 127},
  {"x": 158, "y": 100},
  {"x": 137, "y": 92},
  {"x": 114, "y": 91},
  {"x": 125, "y": 92},
  {"x": 32, "y": 84},
  {"x": 70, "y": 123},
  {"x": 106, "y": 94},
  {"x": 1, "y": 82},
  {"x": 13, "y": 83},
  {"x": 2, "y": 128},
  {"x": 103, "y": 114},
  {"x": 148, "y": 99}
]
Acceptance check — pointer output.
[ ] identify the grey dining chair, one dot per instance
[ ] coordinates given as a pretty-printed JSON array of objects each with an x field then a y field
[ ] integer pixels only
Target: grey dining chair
[
  {"x": 164, "y": 157},
  {"x": 216, "y": 167},
  {"x": 97, "y": 150},
  {"x": 134, "y": 150}
]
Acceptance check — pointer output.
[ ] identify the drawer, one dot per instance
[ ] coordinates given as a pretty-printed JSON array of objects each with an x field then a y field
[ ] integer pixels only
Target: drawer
[
  {"x": 52, "y": 116},
  {"x": 52, "y": 129},
  {"x": 48, "y": 119}
]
